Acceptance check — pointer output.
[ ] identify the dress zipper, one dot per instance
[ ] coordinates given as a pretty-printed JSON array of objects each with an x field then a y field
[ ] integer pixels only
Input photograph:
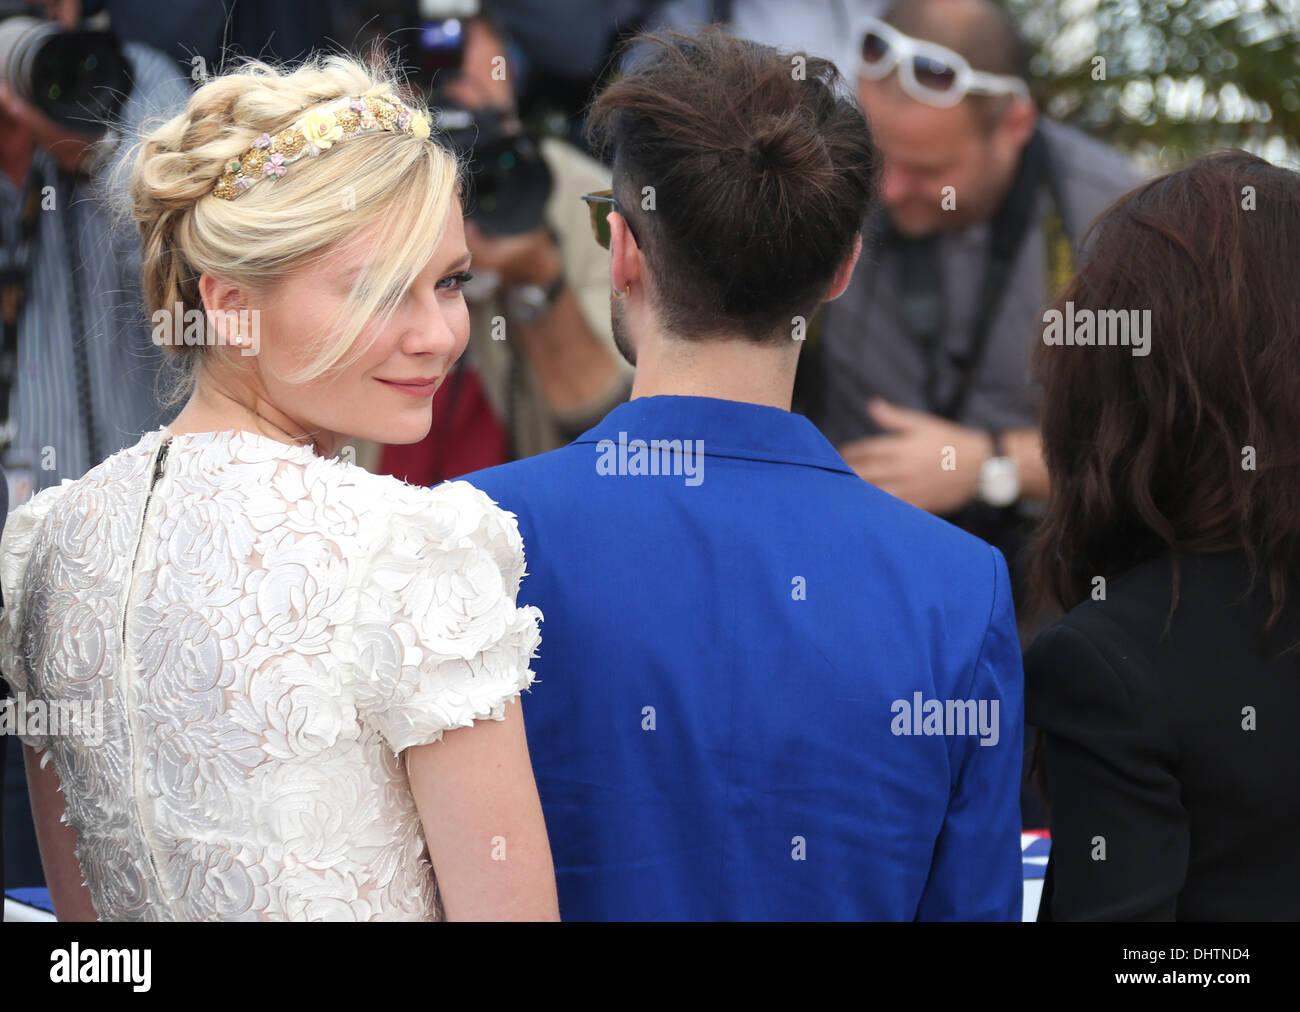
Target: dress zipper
[{"x": 160, "y": 459}]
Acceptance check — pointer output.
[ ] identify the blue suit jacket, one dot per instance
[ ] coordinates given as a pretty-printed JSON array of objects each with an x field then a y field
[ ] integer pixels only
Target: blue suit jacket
[{"x": 740, "y": 664}]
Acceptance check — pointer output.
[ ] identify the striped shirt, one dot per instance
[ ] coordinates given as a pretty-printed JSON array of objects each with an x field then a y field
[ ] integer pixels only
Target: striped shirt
[{"x": 86, "y": 268}]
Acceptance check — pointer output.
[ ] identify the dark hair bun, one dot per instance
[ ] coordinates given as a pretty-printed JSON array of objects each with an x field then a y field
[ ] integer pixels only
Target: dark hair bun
[
  {"x": 787, "y": 144},
  {"x": 763, "y": 179}
]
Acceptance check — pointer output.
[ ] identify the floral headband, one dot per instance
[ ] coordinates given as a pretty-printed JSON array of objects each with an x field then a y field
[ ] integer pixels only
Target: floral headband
[{"x": 317, "y": 130}]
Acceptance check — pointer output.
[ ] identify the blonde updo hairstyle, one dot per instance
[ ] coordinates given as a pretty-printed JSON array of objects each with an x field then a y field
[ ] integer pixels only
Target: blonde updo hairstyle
[{"x": 400, "y": 184}]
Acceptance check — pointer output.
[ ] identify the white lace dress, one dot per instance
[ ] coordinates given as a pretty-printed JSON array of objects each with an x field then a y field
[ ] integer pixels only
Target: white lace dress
[{"x": 264, "y": 630}]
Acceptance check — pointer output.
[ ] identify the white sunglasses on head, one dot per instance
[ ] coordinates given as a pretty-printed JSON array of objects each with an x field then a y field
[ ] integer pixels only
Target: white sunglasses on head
[{"x": 928, "y": 72}]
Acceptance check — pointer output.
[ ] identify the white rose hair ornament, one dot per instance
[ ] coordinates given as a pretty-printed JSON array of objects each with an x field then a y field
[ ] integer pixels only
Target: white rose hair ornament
[{"x": 314, "y": 132}]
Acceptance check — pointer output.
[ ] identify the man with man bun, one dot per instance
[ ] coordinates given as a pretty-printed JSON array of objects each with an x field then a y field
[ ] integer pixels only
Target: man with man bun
[{"x": 754, "y": 665}]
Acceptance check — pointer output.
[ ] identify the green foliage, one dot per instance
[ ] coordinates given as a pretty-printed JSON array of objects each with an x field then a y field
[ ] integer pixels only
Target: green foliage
[{"x": 1180, "y": 77}]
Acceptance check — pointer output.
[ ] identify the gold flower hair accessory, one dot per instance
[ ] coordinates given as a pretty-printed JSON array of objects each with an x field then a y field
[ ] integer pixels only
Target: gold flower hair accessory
[{"x": 314, "y": 132}]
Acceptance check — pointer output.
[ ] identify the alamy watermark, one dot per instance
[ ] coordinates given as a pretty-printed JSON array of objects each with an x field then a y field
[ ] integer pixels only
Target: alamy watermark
[
  {"x": 657, "y": 457},
  {"x": 1126, "y": 328},
  {"x": 921, "y": 716},
  {"x": 75, "y": 965},
  {"x": 191, "y": 328},
  {"x": 80, "y": 718}
]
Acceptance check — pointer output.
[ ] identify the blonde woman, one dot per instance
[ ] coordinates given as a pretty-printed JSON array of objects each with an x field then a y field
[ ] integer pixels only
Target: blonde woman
[{"x": 304, "y": 671}]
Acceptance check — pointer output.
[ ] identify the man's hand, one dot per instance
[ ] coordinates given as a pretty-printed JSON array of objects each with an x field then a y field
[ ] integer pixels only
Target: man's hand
[
  {"x": 66, "y": 12},
  {"x": 71, "y": 151},
  {"x": 527, "y": 259},
  {"x": 928, "y": 461}
]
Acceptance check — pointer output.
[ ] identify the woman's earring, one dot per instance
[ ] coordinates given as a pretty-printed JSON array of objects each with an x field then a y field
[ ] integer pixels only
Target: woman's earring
[
  {"x": 624, "y": 293},
  {"x": 234, "y": 330}
]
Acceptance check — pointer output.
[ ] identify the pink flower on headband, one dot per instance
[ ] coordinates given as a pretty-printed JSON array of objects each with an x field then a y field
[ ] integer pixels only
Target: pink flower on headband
[
  {"x": 402, "y": 119},
  {"x": 263, "y": 142},
  {"x": 243, "y": 183},
  {"x": 356, "y": 105},
  {"x": 274, "y": 166}
]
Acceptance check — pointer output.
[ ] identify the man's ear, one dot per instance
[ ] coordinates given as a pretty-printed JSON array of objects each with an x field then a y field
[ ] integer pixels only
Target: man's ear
[
  {"x": 625, "y": 259},
  {"x": 1017, "y": 125},
  {"x": 845, "y": 270}
]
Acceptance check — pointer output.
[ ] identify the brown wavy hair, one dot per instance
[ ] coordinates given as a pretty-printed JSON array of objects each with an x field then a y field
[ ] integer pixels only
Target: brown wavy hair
[{"x": 1146, "y": 454}]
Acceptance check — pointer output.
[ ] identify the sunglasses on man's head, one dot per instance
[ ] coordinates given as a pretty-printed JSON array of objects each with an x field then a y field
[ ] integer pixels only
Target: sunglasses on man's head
[
  {"x": 600, "y": 203},
  {"x": 927, "y": 71}
]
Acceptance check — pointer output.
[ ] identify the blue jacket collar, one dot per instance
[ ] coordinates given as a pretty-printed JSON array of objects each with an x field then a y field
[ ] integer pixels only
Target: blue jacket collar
[{"x": 725, "y": 428}]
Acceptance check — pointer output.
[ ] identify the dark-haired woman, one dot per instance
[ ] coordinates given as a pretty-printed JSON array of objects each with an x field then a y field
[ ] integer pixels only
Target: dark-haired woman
[{"x": 1169, "y": 696}]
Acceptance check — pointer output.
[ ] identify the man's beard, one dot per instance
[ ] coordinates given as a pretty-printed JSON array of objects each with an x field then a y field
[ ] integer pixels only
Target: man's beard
[{"x": 618, "y": 324}]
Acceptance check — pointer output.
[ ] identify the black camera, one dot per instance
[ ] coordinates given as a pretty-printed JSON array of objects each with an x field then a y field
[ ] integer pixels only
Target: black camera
[
  {"x": 78, "y": 78},
  {"x": 508, "y": 182}
]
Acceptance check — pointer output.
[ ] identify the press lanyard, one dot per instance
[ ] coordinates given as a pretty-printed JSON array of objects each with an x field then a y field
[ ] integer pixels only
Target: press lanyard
[{"x": 922, "y": 317}]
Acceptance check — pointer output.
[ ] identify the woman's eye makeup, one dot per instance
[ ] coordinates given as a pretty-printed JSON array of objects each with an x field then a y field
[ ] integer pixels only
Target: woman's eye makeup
[
  {"x": 455, "y": 282},
  {"x": 452, "y": 282}
]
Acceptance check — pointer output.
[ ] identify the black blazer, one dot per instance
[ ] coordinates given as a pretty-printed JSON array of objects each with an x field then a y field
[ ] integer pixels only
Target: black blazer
[{"x": 1178, "y": 754}]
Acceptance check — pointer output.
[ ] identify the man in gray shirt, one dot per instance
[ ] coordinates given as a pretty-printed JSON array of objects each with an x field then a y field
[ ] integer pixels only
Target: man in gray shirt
[{"x": 924, "y": 384}]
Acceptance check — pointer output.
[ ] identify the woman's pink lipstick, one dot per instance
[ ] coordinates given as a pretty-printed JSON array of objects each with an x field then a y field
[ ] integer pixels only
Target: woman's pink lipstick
[{"x": 419, "y": 387}]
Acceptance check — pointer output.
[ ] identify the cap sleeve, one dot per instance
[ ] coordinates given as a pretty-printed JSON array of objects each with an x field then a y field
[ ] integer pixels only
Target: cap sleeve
[
  {"x": 21, "y": 529},
  {"x": 438, "y": 641}
]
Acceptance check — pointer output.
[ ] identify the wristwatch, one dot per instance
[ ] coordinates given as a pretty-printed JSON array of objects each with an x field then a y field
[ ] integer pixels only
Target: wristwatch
[
  {"x": 530, "y": 303},
  {"x": 999, "y": 480}
]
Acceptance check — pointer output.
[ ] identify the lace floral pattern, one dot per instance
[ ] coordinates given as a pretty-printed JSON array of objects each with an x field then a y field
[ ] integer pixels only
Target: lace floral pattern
[{"x": 292, "y": 623}]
